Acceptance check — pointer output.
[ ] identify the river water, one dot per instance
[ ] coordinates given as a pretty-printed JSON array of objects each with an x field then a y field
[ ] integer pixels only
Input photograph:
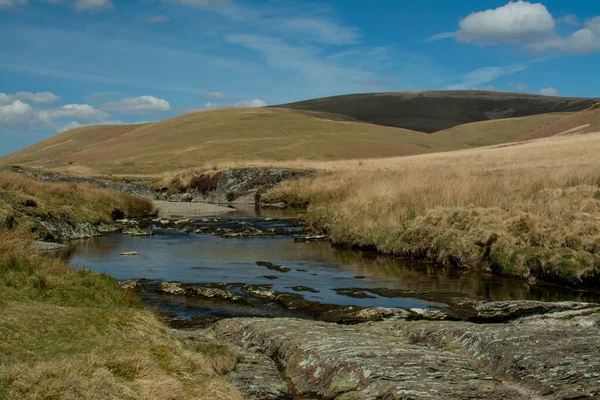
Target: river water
[{"x": 207, "y": 259}]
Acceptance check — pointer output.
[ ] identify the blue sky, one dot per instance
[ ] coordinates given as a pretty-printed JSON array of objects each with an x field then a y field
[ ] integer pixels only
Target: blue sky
[{"x": 68, "y": 63}]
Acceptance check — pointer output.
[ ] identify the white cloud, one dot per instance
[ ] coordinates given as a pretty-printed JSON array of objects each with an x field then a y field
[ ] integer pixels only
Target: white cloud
[
  {"x": 82, "y": 113},
  {"x": 215, "y": 95},
  {"x": 41, "y": 97},
  {"x": 200, "y": 3},
  {"x": 514, "y": 22},
  {"x": 16, "y": 114},
  {"x": 5, "y": 98},
  {"x": 93, "y": 6},
  {"x": 583, "y": 41},
  {"x": 570, "y": 19},
  {"x": 321, "y": 30},
  {"x": 485, "y": 75},
  {"x": 549, "y": 92},
  {"x": 238, "y": 104},
  {"x": 75, "y": 124},
  {"x": 12, "y": 3},
  {"x": 138, "y": 105},
  {"x": 527, "y": 23},
  {"x": 159, "y": 18}
]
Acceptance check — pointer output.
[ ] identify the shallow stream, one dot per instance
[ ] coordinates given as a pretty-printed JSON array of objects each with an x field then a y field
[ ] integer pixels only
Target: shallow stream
[{"x": 207, "y": 259}]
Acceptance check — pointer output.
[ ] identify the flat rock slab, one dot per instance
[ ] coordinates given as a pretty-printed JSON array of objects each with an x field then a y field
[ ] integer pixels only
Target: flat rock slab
[
  {"x": 343, "y": 362},
  {"x": 550, "y": 356},
  {"x": 256, "y": 376}
]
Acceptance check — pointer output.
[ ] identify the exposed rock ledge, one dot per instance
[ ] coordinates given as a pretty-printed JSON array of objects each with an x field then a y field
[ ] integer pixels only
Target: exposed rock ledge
[{"x": 551, "y": 356}]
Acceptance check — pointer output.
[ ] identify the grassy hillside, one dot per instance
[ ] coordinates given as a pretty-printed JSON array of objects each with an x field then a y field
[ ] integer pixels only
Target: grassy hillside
[
  {"x": 431, "y": 111},
  {"x": 586, "y": 121},
  {"x": 530, "y": 210},
  {"x": 486, "y": 133},
  {"x": 216, "y": 135}
]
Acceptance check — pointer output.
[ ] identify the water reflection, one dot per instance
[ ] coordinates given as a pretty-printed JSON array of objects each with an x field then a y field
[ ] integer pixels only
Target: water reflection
[{"x": 208, "y": 258}]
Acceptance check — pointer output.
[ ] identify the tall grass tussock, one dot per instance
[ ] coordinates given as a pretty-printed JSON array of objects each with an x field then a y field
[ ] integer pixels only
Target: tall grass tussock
[
  {"x": 530, "y": 210},
  {"x": 23, "y": 200}
]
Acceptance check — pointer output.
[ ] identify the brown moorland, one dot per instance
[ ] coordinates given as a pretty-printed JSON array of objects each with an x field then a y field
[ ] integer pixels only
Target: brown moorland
[{"x": 586, "y": 121}]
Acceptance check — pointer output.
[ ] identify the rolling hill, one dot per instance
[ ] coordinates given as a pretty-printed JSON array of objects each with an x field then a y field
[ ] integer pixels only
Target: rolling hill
[
  {"x": 432, "y": 111},
  {"x": 228, "y": 134},
  {"x": 587, "y": 121},
  {"x": 497, "y": 131}
]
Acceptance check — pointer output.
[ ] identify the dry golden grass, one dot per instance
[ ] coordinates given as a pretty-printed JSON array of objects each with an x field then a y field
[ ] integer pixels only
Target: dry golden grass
[
  {"x": 220, "y": 135},
  {"x": 76, "y": 335},
  {"x": 487, "y": 133},
  {"x": 69, "y": 202},
  {"x": 528, "y": 210}
]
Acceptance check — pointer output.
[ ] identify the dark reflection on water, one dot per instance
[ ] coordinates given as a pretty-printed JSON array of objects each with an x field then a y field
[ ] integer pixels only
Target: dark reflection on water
[{"x": 209, "y": 259}]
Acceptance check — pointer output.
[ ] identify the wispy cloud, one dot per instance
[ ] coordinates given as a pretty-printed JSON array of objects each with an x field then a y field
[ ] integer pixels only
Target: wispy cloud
[
  {"x": 93, "y": 6},
  {"x": 303, "y": 60},
  {"x": 159, "y": 18},
  {"x": 215, "y": 96},
  {"x": 440, "y": 36},
  {"x": 485, "y": 75}
]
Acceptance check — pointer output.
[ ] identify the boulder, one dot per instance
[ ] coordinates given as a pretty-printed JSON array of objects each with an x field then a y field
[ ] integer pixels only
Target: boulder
[{"x": 171, "y": 288}]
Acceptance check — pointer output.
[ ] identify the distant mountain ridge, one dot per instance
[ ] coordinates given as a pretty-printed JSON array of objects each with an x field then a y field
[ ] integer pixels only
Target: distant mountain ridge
[{"x": 432, "y": 111}]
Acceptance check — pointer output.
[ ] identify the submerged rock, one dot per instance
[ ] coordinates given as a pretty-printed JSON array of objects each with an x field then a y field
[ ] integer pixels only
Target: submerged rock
[
  {"x": 273, "y": 267},
  {"x": 301, "y": 288},
  {"x": 129, "y": 253}
]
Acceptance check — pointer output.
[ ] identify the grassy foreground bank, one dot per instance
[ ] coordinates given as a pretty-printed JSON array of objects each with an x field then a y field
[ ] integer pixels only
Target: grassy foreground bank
[
  {"x": 529, "y": 210},
  {"x": 74, "y": 334}
]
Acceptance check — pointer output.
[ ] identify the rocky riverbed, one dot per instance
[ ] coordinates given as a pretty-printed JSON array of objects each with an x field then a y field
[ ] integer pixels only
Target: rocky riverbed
[{"x": 552, "y": 353}]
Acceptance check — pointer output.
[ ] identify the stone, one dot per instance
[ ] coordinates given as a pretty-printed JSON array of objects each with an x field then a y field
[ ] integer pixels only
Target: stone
[
  {"x": 213, "y": 293},
  {"x": 130, "y": 284},
  {"x": 301, "y": 288},
  {"x": 430, "y": 314},
  {"x": 136, "y": 231},
  {"x": 172, "y": 288},
  {"x": 312, "y": 238},
  {"x": 49, "y": 246},
  {"x": 129, "y": 253}
]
